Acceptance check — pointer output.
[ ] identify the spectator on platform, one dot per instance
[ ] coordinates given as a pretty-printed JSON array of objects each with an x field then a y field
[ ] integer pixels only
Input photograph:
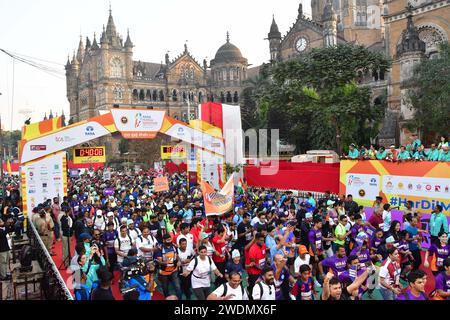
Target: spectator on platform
[
  {"x": 381, "y": 154},
  {"x": 433, "y": 154},
  {"x": 444, "y": 155},
  {"x": 392, "y": 154},
  {"x": 353, "y": 152},
  {"x": 443, "y": 143},
  {"x": 404, "y": 154}
]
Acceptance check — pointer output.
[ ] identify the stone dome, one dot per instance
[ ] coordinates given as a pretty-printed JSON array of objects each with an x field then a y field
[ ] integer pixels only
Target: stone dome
[{"x": 228, "y": 53}]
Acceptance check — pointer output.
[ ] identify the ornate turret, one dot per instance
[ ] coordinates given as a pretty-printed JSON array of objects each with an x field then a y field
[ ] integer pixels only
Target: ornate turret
[
  {"x": 274, "y": 38},
  {"x": 128, "y": 43},
  {"x": 88, "y": 44},
  {"x": 410, "y": 39},
  {"x": 80, "y": 52},
  {"x": 94, "y": 43}
]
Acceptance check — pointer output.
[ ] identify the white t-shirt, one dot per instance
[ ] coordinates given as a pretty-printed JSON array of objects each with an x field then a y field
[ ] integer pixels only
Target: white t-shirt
[
  {"x": 146, "y": 243},
  {"x": 299, "y": 262},
  {"x": 189, "y": 238},
  {"x": 125, "y": 246},
  {"x": 387, "y": 217},
  {"x": 268, "y": 291},
  {"x": 236, "y": 292},
  {"x": 183, "y": 256},
  {"x": 134, "y": 234},
  {"x": 201, "y": 276}
]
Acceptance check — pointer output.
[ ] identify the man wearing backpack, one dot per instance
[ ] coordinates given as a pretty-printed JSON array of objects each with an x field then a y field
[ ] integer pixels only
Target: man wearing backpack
[
  {"x": 232, "y": 290},
  {"x": 146, "y": 244},
  {"x": 169, "y": 263},
  {"x": 123, "y": 244},
  {"x": 417, "y": 280},
  {"x": 265, "y": 289},
  {"x": 201, "y": 268}
]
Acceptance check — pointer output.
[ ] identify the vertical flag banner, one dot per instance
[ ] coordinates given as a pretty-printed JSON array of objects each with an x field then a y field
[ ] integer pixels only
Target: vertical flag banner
[
  {"x": 161, "y": 184},
  {"x": 8, "y": 167},
  {"x": 426, "y": 184},
  {"x": 218, "y": 203},
  {"x": 42, "y": 180}
]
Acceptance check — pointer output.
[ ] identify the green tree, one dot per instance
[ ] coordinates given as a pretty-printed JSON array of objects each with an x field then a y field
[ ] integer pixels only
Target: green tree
[
  {"x": 316, "y": 102},
  {"x": 429, "y": 96}
]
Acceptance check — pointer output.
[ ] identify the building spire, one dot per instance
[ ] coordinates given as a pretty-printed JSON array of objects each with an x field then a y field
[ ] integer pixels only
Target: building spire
[
  {"x": 228, "y": 37},
  {"x": 274, "y": 31},
  {"x": 94, "y": 43},
  {"x": 128, "y": 43},
  {"x": 80, "y": 53}
]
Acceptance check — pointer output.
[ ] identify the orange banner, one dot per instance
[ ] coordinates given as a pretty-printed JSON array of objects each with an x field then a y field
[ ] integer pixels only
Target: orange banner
[
  {"x": 218, "y": 203},
  {"x": 161, "y": 184}
]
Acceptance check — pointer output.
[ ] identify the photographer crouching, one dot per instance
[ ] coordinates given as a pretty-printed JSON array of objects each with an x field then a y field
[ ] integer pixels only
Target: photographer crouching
[{"x": 137, "y": 275}]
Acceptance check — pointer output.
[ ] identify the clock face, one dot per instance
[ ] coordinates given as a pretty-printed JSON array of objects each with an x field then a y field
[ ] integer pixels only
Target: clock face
[{"x": 301, "y": 44}]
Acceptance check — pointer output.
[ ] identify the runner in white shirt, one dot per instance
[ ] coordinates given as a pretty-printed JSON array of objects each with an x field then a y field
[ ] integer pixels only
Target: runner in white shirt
[
  {"x": 123, "y": 244},
  {"x": 146, "y": 244},
  {"x": 265, "y": 289},
  {"x": 303, "y": 258},
  {"x": 232, "y": 290},
  {"x": 184, "y": 230},
  {"x": 132, "y": 230},
  {"x": 201, "y": 267}
]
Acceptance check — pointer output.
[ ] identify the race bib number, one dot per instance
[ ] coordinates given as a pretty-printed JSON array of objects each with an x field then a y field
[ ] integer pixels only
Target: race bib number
[
  {"x": 439, "y": 262},
  {"x": 318, "y": 244},
  {"x": 262, "y": 263}
]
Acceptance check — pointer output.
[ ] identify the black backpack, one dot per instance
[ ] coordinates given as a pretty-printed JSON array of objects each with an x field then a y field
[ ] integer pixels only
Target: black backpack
[
  {"x": 120, "y": 242},
  {"x": 225, "y": 289},
  {"x": 262, "y": 289}
]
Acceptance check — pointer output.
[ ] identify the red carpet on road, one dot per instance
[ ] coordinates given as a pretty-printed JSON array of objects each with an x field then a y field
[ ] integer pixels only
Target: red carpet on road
[{"x": 67, "y": 277}]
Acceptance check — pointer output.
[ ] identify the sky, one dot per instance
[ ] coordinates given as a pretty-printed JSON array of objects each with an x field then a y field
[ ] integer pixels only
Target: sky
[{"x": 49, "y": 30}]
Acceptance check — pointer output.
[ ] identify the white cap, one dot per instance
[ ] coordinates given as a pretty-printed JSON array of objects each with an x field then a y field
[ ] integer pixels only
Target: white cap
[
  {"x": 131, "y": 198},
  {"x": 123, "y": 219},
  {"x": 129, "y": 221},
  {"x": 235, "y": 254},
  {"x": 110, "y": 214},
  {"x": 99, "y": 212}
]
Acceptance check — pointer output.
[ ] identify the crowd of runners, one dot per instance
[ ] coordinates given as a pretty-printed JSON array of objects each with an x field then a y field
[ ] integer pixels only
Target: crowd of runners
[{"x": 272, "y": 246}]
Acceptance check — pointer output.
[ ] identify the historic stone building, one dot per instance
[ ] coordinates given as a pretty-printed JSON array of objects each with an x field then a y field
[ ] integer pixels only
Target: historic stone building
[
  {"x": 404, "y": 35},
  {"x": 414, "y": 30}
]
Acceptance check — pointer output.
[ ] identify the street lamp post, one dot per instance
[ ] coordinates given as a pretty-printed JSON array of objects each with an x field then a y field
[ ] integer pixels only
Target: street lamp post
[{"x": 1, "y": 160}]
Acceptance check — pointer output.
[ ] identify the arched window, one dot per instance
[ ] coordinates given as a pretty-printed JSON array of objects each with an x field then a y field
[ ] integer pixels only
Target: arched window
[
  {"x": 135, "y": 95},
  {"x": 184, "y": 96},
  {"x": 118, "y": 93},
  {"x": 116, "y": 68},
  {"x": 174, "y": 95},
  {"x": 222, "y": 97},
  {"x": 229, "y": 98},
  {"x": 148, "y": 95},
  {"x": 142, "y": 95},
  {"x": 236, "y": 97},
  {"x": 161, "y": 95},
  {"x": 200, "y": 97},
  {"x": 155, "y": 95}
]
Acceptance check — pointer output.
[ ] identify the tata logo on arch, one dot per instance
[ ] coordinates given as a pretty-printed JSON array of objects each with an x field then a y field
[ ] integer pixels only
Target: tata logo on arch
[{"x": 89, "y": 131}]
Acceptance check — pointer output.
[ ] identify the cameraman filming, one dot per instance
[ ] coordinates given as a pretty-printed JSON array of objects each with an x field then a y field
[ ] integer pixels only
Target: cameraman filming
[{"x": 137, "y": 279}]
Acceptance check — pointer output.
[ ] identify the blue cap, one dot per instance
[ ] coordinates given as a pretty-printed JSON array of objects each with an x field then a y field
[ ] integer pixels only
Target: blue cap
[{"x": 85, "y": 236}]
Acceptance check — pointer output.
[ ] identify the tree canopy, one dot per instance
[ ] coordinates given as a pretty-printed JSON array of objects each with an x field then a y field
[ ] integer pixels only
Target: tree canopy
[{"x": 315, "y": 100}]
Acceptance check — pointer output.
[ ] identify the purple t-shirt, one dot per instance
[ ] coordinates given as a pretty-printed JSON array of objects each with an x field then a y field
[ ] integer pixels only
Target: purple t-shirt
[
  {"x": 443, "y": 282},
  {"x": 338, "y": 265},
  {"x": 441, "y": 253},
  {"x": 356, "y": 230},
  {"x": 346, "y": 277},
  {"x": 363, "y": 256},
  {"x": 376, "y": 243},
  {"x": 411, "y": 296},
  {"x": 315, "y": 238}
]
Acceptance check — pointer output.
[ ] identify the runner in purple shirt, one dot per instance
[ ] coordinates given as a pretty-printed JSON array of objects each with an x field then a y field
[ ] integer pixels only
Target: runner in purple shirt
[
  {"x": 337, "y": 263},
  {"x": 441, "y": 251},
  {"x": 417, "y": 280},
  {"x": 354, "y": 271},
  {"x": 443, "y": 281},
  {"x": 315, "y": 238}
]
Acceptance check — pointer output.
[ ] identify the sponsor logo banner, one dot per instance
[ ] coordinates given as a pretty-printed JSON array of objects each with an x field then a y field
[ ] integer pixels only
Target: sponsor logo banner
[
  {"x": 63, "y": 139},
  {"x": 426, "y": 184},
  {"x": 138, "y": 124}
]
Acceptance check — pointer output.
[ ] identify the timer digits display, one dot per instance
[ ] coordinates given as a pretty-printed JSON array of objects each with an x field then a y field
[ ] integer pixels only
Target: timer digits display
[{"x": 89, "y": 152}]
